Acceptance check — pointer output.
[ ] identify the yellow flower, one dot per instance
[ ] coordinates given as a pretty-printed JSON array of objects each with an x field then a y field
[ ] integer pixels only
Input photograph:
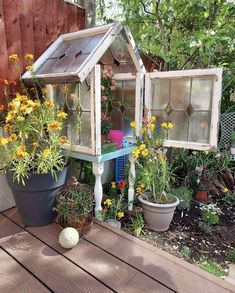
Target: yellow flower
[
  {"x": 20, "y": 119},
  {"x": 113, "y": 184},
  {"x": 49, "y": 104},
  {"x": 164, "y": 125},
  {"x": 21, "y": 152},
  {"x": 64, "y": 89},
  {"x": 143, "y": 130},
  {"x": 3, "y": 141},
  {"x": 142, "y": 185},
  {"x": 136, "y": 152},
  {"x": 13, "y": 57},
  {"x": 152, "y": 127},
  {"x": 11, "y": 137},
  {"x": 138, "y": 189},
  {"x": 46, "y": 153},
  {"x": 7, "y": 127},
  {"x": 226, "y": 190},
  {"x": 63, "y": 139},
  {"x": 145, "y": 153},
  {"x": 35, "y": 144},
  {"x": 61, "y": 114},
  {"x": 37, "y": 104},
  {"x": 170, "y": 125},
  {"x": 45, "y": 90},
  {"x": 133, "y": 124},
  {"x": 153, "y": 119},
  {"x": 54, "y": 126},
  {"x": 142, "y": 147},
  {"x": 108, "y": 202},
  {"x": 9, "y": 117},
  {"x": 29, "y": 68},
  {"x": 28, "y": 56},
  {"x": 120, "y": 215}
]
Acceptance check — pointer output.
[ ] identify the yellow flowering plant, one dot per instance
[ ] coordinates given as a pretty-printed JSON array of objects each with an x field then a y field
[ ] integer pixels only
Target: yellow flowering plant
[
  {"x": 153, "y": 172},
  {"x": 32, "y": 134}
]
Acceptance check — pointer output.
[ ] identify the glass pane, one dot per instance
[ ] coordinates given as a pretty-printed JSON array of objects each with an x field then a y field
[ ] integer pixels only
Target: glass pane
[
  {"x": 116, "y": 118},
  {"x": 107, "y": 58},
  {"x": 119, "y": 50},
  {"x": 59, "y": 96},
  {"x": 180, "y": 92},
  {"x": 129, "y": 94},
  {"x": 161, "y": 117},
  {"x": 127, "y": 67},
  {"x": 73, "y": 126},
  {"x": 85, "y": 133},
  {"x": 85, "y": 95},
  {"x": 160, "y": 93},
  {"x": 199, "y": 127},
  {"x": 201, "y": 93},
  {"x": 118, "y": 95},
  {"x": 72, "y": 98},
  {"x": 180, "y": 129},
  {"x": 128, "y": 116}
]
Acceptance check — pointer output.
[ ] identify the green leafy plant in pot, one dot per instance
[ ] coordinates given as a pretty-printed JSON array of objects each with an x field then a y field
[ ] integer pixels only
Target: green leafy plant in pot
[
  {"x": 31, "y": 151},
  {"x": 74, "y": 205},
  {"x": 153, "y": 174}
]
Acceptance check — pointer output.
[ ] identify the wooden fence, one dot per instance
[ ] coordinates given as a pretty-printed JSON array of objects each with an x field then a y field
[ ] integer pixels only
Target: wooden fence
[{"x": 30, "y": 26}]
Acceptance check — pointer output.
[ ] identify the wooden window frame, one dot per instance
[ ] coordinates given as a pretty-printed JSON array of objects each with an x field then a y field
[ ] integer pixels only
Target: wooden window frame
[{"x": 215, "y": 108}]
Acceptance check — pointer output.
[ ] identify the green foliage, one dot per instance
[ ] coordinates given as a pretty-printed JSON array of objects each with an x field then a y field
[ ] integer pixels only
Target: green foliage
[
  {"x": 137, "y": 224},
  {"x": 74, "y": 202},
  {"x": 211, "y": 267},
  {"x": 231, "y": 256},
  {"x": 210, "y": 214},
  {"x": 205, "y": 227},
  {"x": 184, "y": 195},
  {"x": 186, "y": 251},
  {"x": 228, "y": 198},
  {"x": 181, "y": 34}
]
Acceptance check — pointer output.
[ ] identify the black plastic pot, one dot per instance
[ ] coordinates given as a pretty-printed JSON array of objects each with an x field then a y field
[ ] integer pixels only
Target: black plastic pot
[{"x": 36, "y": 199}]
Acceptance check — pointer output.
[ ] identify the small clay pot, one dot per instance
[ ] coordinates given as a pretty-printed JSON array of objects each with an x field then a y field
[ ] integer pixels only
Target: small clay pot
[{"x": 202, "y": 195}]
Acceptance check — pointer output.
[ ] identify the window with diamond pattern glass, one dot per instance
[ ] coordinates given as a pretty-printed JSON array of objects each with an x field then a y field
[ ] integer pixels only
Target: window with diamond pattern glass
[{"x": 186, "y": 102}]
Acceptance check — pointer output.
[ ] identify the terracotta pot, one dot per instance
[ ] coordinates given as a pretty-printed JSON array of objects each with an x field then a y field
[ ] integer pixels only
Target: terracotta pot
[
  {"x": 158, "y": 216},
  {"x": 83, "y": 226},
  {"x": 201, "y": 195}
]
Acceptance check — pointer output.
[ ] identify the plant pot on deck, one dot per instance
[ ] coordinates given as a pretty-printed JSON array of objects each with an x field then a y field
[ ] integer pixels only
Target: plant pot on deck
[
  {"x": 158, "y": 216},
  {"x": 36, "y": 199}
]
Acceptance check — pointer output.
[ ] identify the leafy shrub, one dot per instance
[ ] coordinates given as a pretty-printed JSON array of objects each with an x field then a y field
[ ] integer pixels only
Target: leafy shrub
[
  {"x": 184, "y": 195},
  {"x": 231, "y": 256},
  {"x": 205, "y": 227},
  {"x": 185, "y": 251},
  {"x": 210, "y": 214},
  {"x": 137, "y": 224}
]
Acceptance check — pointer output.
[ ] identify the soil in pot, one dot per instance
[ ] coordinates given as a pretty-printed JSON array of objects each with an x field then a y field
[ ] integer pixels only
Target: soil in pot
[{"x": 158, "y": 216}]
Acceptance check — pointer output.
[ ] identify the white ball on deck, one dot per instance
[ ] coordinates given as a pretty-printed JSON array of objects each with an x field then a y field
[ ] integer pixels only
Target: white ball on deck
[{"x": 69, "y": 237}]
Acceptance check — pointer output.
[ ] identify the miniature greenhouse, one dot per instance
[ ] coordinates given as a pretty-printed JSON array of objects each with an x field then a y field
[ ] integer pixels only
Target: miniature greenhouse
[{"x": 73, "y": 67}]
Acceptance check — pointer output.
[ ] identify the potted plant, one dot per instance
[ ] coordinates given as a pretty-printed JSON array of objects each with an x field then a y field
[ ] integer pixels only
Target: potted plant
[
  {"x": 106, "y": 126},
  {"x": 31, "y": 153},
  {"x": 114, "y": 205},
  {"x": 153, "y": 173},
  {"x": 74, "y": 205}
]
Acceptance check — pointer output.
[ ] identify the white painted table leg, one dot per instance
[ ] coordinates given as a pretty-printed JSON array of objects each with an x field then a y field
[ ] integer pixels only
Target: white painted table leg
[
  {"x": 98, "y": 169},
  {"x": 131, "y": 190}
]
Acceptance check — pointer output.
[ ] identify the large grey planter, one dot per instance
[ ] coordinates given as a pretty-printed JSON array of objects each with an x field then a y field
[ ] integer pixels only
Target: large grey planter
[
  {"x": 36, "y": 199},
  {"x": 158, "y": 216}
]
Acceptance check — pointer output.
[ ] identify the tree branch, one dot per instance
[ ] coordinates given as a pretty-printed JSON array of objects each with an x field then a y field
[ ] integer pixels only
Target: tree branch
[{"x": 195, "y": 52}]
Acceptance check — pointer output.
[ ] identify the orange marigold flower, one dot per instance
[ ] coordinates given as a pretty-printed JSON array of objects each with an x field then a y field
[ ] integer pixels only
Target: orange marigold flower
[
  {"x": 54, "y": 126},
  {"x": 29, "y": 68},
  {"x": 63, "y": 139},
  {"x": 1, "y": 108},
  {"x": 61, "y": 114},
  {"x": 45, "y": 90},
  {"x": 49, "y": 104},
  {"x": 3, "y": 141},
  {"x": 7, "y": 127},
  {"x": 65, "y": 89}
]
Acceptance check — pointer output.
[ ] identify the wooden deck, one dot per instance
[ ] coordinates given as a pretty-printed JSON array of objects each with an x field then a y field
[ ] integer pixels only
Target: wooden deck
[{"x": 107, "y": 260}]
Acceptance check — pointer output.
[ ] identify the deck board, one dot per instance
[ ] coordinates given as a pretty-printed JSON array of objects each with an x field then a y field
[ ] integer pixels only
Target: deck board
[
  {"x": 106, "y": 260},
  {"x": 59, "y": 274},
  {"x": 116, "y": 274},
  {"x": 15, "y": 278}
]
